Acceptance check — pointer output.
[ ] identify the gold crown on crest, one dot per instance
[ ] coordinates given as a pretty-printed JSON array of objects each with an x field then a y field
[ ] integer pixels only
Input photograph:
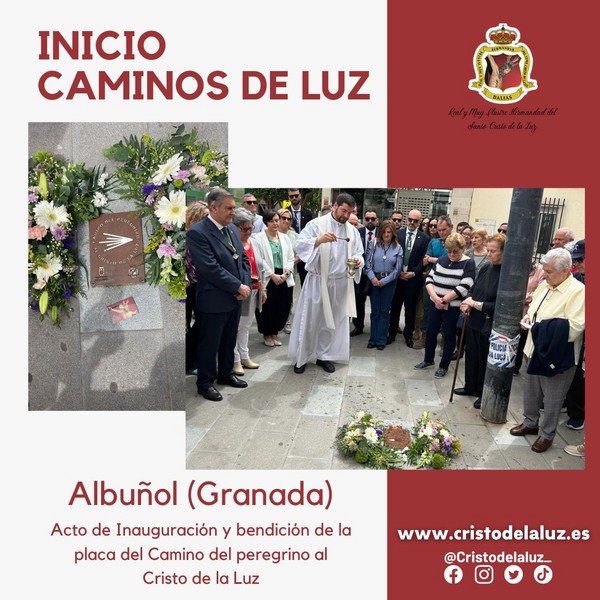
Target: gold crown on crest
[{"x": 503, "y": 36}]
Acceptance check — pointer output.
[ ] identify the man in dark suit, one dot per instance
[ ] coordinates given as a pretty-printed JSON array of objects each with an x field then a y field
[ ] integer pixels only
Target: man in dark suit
[
  {"x": 361, "y": 289},
  {"x": 300, "y": 217},
  {"x": 410, "y": 282},
  {"x": 223, "y": 272}
]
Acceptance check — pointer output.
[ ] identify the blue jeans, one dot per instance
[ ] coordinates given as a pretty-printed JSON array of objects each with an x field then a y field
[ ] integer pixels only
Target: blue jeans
[
  {"x": 446, "y": 320},
  {"x": 381, "y": 301}
]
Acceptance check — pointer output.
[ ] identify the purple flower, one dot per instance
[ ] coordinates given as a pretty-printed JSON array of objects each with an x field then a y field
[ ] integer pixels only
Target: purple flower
[
  {"x": 69, "y": 243},
  {"x": 68, "y": 293},
  {"x": 32, "y": 198},
  {"x": 149, "y": 188},
  {"x": 59, "y": 232},
  {"x": 379, "y": 432},
  {"x": 183, "y": 175},
  {"x": 165, "y": 249}
]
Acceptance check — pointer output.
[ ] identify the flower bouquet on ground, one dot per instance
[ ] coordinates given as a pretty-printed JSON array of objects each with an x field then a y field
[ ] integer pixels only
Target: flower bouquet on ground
[
  {"x": 156, "y": 174},
  {"x": 61, "y": 196},
  {"x": 363, "y": 439},
  {"x": 433, "y": 445}
]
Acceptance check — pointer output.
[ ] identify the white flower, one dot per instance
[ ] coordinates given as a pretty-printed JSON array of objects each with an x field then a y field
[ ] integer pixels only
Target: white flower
[
  {"x": 171, "y": 210},
  {"x": 444, "y": 433},
  {"x": 199, "y": 171},
  {"x": 359, "y": 415},
  {"x": 48, "y": 268},
  {"x": 167, "y": 171},
  {"x": 371, "y": 435},
  {"x": 47, "y": 215},
  {"x": 102, "y": 180},
  {"x": 99, "y": 200}
]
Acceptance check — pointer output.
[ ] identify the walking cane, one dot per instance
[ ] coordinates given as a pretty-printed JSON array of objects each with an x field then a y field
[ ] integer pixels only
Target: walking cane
[{"x": 460, "y": 346}]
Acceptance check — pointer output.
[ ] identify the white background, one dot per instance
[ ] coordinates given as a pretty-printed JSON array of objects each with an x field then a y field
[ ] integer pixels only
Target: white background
[{"x": 272, "y": 143}]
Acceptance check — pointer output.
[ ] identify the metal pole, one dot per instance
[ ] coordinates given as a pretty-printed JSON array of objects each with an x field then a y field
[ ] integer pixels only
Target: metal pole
[
  {"x": 459, "y": 352},
  {"x": 516, "y": 265}
]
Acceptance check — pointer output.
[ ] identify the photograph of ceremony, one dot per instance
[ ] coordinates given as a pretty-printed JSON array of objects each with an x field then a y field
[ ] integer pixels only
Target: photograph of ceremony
[
  {"x": 429, "y": 328},
  {"x": 106, "y": 259}
]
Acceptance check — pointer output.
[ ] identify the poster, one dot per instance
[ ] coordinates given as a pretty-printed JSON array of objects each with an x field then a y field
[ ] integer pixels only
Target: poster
[{"x": 408, "y": 70}]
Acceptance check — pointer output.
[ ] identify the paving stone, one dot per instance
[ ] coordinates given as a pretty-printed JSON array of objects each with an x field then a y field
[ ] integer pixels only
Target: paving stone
[
  {"x": 264, "y": 450},
  {"x": 324, "y": 401},
  {"x": 422, "y": 392},
  {"x": 290, "y": 420}
]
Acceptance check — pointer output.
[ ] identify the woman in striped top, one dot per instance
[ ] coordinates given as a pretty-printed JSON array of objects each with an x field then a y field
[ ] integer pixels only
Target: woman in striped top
[{"x": 447, "y": 284}]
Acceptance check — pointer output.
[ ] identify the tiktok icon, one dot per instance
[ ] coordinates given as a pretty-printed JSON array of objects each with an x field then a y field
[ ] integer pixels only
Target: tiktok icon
[
  {"x": 543, "y": 574},
  {"x": 453, "y": 574}
]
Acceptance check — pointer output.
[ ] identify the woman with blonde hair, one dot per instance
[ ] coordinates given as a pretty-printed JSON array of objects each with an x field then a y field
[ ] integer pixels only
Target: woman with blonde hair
[
  {"x": 447, "y": 284},
  {"x": 196, "y": 211},
  {"x": 285, "y": 227},
  {"x": 478, "y": 251}
]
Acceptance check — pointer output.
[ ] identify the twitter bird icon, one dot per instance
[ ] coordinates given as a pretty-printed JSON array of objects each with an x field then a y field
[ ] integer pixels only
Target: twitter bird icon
[{"x": 513, "y": 574}]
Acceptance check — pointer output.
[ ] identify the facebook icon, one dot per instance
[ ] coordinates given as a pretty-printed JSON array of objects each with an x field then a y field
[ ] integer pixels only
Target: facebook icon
[{"x": 453, "y": 574}]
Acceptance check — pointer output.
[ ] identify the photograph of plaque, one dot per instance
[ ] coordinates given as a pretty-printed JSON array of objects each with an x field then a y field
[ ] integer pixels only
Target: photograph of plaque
[{"x": 116, "y": 249}]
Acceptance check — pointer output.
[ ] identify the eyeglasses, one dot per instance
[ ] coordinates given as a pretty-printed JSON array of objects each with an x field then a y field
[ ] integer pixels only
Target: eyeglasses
[
  {"x": 286, "y": 218},
  {"x": 370, "y": 218},
  {"x": 413, "y": 220},
  {"x": 250, "y": 202},
  {"x": 293, "y": 195},
  {"x": 434, "y": 226},
  {"x": 502, "y": 230},
  {"x": 246, "y": 229},
  {"x": 397, "y": 220}
]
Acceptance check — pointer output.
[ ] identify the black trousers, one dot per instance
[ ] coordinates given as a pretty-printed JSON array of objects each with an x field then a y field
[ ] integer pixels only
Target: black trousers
[
  {"x": 361, "y": 291},
  {"x": 406, "y": 294},
  {"x": 301, "y": 271},
  {"x": 519, "y": 357},
  {"x": 476, "y": 352},
  {"x": 191, "y": 328},
  {"x": 217, "y": 336},
  {"x": 576, "y": 395},
  {"x": 274, "y": 313}
]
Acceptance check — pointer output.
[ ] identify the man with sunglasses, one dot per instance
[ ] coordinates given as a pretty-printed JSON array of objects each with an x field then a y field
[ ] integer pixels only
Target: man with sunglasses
[
  {"x": 300, "y": 217},
  {"x": 368, "y": 233},
  {"x": 503, "y": 228},
  {"x": 396, "y": 218},
  {"x": 250, "y": 203},
  {"x": 410, "y": 281}
]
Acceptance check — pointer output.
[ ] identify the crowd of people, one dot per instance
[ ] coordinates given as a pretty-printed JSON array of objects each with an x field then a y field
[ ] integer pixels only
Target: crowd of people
[{"x": 243, "y": 268}]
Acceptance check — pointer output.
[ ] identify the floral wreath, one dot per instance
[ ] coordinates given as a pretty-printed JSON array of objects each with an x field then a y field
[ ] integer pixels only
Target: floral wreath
[
  {"x": 60, "y": 196},
  {"x": 157, "y": 175},
  {"x": 432, "y": 445}
]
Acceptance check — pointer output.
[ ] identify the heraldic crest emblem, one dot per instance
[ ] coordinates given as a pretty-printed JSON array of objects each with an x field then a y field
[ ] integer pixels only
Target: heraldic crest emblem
[{"x": 502, "y": 66}]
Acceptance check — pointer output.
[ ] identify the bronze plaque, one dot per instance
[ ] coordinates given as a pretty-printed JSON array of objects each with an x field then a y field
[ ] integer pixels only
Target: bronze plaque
[{"x": 116, "y": 249}]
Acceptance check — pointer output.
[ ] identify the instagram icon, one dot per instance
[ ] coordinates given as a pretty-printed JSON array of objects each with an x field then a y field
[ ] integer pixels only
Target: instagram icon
[{"x": 484, "y": 574}]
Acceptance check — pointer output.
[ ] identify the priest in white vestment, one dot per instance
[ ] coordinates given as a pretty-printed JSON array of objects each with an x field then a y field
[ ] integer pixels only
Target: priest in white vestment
[{"x": 321, "y": 326}]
